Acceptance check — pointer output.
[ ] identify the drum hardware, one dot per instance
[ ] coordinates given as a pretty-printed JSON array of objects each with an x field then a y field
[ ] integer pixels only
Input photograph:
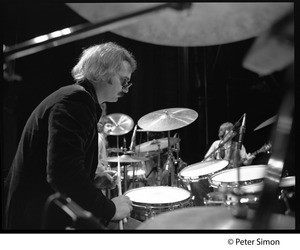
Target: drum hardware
[
  {"x": 167, "y": 120},
  {"x": 125, "y": 159},
  {"x": 285, "y": 195}
]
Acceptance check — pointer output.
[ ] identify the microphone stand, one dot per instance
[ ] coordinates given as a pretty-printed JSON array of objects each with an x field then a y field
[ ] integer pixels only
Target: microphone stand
[{"x": 241, "y": 210}]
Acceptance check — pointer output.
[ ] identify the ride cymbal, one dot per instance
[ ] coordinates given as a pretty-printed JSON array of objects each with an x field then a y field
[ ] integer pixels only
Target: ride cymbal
[
  {"x": 168, "y": 119},
  {"x": 202, "y": 24},
  {"x": 122, "y": 124}
]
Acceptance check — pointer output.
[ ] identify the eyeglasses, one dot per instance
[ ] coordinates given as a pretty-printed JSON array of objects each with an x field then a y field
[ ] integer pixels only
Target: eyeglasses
[{"x": 125, "y": 83}]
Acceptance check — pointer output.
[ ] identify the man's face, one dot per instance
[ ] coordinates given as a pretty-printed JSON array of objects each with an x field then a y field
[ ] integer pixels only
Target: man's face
[
  {"x": 119, "y": 83},
  {"x": 107, "y": 128},
  {"x": 222, "y": 132}
]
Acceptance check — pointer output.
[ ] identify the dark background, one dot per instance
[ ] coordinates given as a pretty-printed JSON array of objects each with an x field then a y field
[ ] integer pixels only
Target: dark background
[{"x": 209, "y": 80}]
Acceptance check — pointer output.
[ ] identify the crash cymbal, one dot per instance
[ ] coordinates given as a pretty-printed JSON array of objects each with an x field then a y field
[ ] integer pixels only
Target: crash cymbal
[
  {"x": 211, "y": 218},
  {"x": 267, "y": 122},
  {"x": 168, "y": 119},
  {"x": 155, "y": 145},
  {"x": 122, "y": 124},
  {"x": 125, "y": 159},
  {"x": 202, "y": 24}
]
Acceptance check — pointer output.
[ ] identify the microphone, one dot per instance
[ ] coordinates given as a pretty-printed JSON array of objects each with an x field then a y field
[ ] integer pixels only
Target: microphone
[
  {"x": 244, "y": 121},
  {"x": 124, "y": 144},
  {"x": 232, "y": 132},
  {"x": 242, "y": 131}
]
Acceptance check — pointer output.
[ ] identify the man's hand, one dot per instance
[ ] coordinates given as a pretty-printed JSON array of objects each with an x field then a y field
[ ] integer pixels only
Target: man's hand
[
  {"x": 106, "y": 179},
  {"x": 123, "y": 207}
]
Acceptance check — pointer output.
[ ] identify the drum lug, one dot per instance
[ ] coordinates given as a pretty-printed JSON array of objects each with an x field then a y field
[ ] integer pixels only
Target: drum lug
[{"x": 149, "y": 214}]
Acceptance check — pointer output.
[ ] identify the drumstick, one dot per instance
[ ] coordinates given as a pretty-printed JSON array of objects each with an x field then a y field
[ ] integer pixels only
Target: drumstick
[{"x": 120, "y": 192}]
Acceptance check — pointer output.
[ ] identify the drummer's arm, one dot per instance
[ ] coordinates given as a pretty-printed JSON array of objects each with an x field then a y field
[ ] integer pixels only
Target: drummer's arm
[{"x": 210, "y": 150}]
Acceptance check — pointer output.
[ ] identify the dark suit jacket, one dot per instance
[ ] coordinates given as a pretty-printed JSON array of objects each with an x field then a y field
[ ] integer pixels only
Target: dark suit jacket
[{"x": 57, "y": 152}]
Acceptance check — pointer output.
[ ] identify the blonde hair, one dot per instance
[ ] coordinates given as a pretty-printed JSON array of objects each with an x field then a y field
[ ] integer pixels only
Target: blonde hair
[
  {"x": 100, "y": 62},
  {"x": 226, "y": 126}
]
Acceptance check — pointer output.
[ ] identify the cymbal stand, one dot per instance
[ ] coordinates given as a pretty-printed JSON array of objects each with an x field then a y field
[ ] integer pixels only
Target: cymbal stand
[
  {"x": 180, "y": 163},
  {"x": 125, "y": 167},
  {"x": 157, "y": 168},
  {"x": 170, "y": 163}
]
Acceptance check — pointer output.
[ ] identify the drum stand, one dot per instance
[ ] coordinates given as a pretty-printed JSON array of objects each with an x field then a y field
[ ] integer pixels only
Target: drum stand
[
  {"x": 169, "y": 168},
  {"x": 156, "y": 169}
]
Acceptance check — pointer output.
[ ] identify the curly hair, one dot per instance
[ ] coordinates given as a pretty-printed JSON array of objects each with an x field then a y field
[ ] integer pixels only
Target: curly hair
[{"x": 101, "y": 62}]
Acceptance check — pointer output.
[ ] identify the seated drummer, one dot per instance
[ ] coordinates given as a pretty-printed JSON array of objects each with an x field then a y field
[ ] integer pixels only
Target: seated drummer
[
  {"x": 227, "y": 151},
  {"x": 201, "y": 188}
]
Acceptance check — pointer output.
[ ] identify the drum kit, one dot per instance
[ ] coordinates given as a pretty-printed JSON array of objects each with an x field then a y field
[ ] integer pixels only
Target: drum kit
[
  {"x": 171, "y": 195},
  {"x": 137, "y": 159},
  {"x": 199, "y": 24}
]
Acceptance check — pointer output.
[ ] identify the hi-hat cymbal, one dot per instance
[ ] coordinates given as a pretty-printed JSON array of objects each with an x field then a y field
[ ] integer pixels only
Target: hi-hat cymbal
[
  {"x": 203, "y": 24},
  {"x": 168, "y": 119},
  {"x": 114, "y": 150},
  {"x": 125, "y": 159},
  {"x": 155, "y": 145},
  {"x": 122, "y": 124},
  {"x": 266, "y": 123},
  {"x": 212, "y": 218}
]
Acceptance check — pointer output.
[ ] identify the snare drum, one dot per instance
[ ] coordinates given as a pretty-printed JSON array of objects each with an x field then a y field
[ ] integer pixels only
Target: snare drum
[{"x": 150, "y": 201}]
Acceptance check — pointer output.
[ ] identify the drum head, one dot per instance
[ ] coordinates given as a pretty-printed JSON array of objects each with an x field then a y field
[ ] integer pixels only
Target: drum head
[
  {"x": 157, "y": 195},
  {"x": 196, "y": 170},
  {"x": 230, "y": 176}
]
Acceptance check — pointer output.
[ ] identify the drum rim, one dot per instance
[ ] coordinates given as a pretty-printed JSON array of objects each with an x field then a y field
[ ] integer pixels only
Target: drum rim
[
  {"x": 201, "y": 176},
  {"x": 283, "y": 185}
]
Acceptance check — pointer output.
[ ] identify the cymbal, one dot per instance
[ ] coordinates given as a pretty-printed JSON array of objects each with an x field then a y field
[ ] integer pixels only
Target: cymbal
[
  {"x": 203, "y": 24},
  {"x": 211, "y": 218},
  {"x": 155, "y": 144},
  {"x": 125, "y": 159},
  {"x": 267, "y": 122},
  {"x": 114, "y": 150},
  {"x": 168, "y": 119},
  {"x": 122, "y": 124},
  {"x": 142, "y": 130}
]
